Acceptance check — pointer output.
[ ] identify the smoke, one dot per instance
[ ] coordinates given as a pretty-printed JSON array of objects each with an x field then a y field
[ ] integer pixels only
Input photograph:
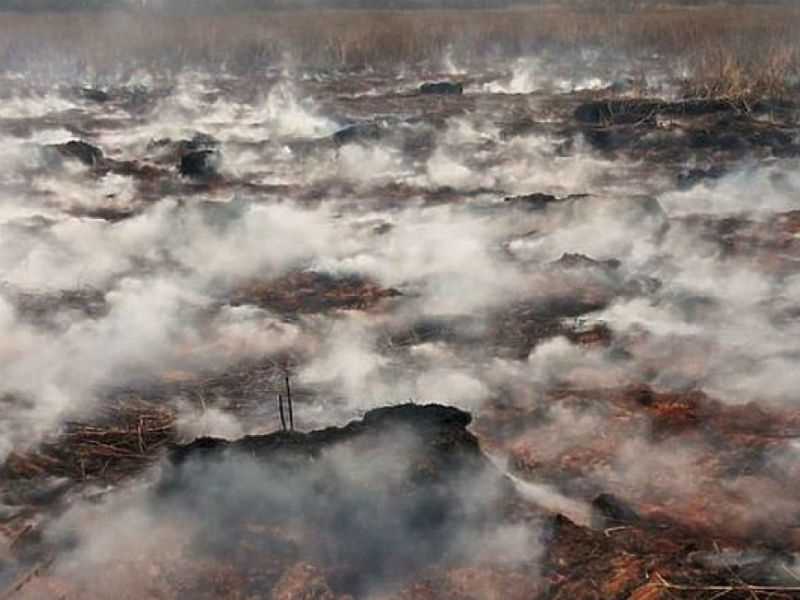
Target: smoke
[
  {"x": 489, "y": 317},
  {"x": 537, "y": 74},
  {"x": 211, "y": 422},
  {"x": 359, "y": 515},
  {"x": 447, "y": 259},
  {"x": 756, "y": 189}
]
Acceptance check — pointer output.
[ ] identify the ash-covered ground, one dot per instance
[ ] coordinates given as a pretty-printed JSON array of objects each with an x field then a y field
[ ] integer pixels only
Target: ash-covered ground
[{"x": 605, "y": 275}]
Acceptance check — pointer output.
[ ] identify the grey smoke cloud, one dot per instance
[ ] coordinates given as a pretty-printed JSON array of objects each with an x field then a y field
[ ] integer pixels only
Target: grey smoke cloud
[
  {"x": 356, "y": 507},
  {"x": 714, "y": 323}
]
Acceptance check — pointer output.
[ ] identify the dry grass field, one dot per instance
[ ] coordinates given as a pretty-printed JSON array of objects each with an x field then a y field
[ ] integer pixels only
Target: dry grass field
[{"x": 721, "y": 51}]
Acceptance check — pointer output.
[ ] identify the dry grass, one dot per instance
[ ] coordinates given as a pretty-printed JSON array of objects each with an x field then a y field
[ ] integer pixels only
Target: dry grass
[
  {"x": 722, "y": 51},
  {"x": 127, "y": 436}
]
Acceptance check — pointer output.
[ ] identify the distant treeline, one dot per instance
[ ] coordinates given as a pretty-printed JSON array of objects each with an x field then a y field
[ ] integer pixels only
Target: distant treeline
[{"x": 219, "y": 6}]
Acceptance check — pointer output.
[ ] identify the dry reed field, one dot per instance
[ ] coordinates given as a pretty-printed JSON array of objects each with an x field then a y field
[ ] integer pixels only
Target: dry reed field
[{"x": 720, "y": 51}]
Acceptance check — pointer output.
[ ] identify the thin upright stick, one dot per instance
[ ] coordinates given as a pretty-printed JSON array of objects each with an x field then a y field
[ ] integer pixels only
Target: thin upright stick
[
  {"x": 289, "y": 399},
  {"x": 280, "y": 409}
]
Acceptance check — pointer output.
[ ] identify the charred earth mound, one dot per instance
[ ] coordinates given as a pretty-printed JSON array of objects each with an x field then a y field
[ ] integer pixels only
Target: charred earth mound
[{"x": 369, "y": 504}]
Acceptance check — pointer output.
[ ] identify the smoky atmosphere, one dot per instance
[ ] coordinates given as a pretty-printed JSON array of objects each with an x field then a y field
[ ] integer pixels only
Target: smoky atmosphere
[{"x": 399, "y": 301}]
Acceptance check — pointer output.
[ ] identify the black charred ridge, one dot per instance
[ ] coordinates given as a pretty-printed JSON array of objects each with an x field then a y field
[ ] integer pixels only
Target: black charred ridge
[
  {"x": 374, "y": 501},
  {"x": 445, "y": 425},
  {"x": 81, "y": 151},
  {"x": 441, "y": 88},
  {"x": 636, "y": 110}
]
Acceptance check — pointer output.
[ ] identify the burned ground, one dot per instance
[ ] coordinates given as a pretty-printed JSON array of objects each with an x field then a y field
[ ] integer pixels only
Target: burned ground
[{"x": 604, "y": 277}]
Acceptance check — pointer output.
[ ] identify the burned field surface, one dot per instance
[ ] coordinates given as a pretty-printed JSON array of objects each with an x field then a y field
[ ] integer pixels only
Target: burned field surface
[{"x": 526, "y": 330}]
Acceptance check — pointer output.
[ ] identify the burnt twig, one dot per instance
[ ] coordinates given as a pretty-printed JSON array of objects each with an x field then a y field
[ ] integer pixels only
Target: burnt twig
[
  {"x": 280, "y": 410},
  {"x": 289, "y": 400},
  {"x": 738, "y": 587}
]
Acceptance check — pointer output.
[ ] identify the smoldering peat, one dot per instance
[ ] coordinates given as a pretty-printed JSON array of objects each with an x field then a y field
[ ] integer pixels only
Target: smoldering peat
[{"x": 575, "y": 246}]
